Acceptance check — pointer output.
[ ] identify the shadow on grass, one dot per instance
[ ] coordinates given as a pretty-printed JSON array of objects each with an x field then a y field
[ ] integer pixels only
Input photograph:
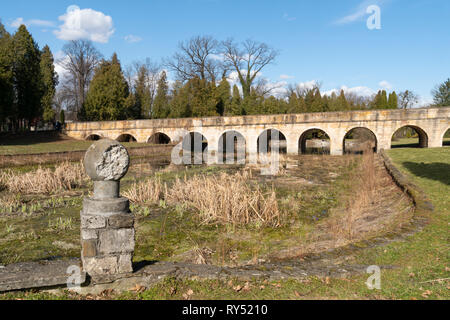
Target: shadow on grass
[
  {"x": 435, "y": 171},
  {"x": 28, "y": 138}
]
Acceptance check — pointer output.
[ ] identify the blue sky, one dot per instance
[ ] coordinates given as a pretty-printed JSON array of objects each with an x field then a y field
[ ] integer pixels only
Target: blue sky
[{"x": 326, "y": 41}]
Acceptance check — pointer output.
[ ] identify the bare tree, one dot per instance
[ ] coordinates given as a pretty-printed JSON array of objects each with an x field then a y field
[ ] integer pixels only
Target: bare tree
[
  {"x": 265, "y": 88},
  {"x": 407, "y": 99},
  {"x": 198, "y": 57},
  {"x": 302, "y": 90},
  {"x": 248, "y": 59},
  {"x": 81, "y": 59},
  {"x": 143, "y": 76}
]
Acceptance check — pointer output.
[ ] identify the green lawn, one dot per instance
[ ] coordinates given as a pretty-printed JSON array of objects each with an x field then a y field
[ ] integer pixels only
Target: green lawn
[
  {"x": 55, "y": 146},
  {"x": 420, "y": 265}
]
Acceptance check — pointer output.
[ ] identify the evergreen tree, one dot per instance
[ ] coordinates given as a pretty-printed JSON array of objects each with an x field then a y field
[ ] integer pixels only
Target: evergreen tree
[
  {"x": 6, "y": 76},
  {"x": 271, "y": 106},
  {"x": 293, "y": 105},
  {"x": 143, "y": 103},
  {"x": 317, "y": 103},
  {"x": 49, "y": 82},
  {"x": 342, "y": 102},
  {"x": 236, "y": 103},
  {"x": 27, "y": 76},
  {"x": 179, "y": 104},
  {"x": 108, "y": 93},
  {"x": 223, "y": 96},
  {"x": 161, "y": 103},
  {"x": 393, "y": 101},
  {"x": 441, "y": 95},
  {"x": 383, "y": 100},
  {"x": 62, "y": 117}
]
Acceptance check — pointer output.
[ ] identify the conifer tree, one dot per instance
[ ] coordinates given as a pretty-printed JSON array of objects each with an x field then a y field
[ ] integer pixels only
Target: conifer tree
[
  {"x": 179, "y": 104},
  {"x": 236, "y": 103},
  {"x": 393, "y": 101},
  {"x": 108, "y": 93},
  {"x": 441, "y": 94},
  {"x": 49, "y": 83},
  {"x": 293, "y": 105},
  {"x": 342, "y": 102},
  {"x": 6, "y": 75},
  {"x": 317, "y": 103},
  {"x": 223, "y": 96},
  {"x": 27, "y": 76},
  {"x": 161, "y": 103},
  {"x": 142, "y": 97}
]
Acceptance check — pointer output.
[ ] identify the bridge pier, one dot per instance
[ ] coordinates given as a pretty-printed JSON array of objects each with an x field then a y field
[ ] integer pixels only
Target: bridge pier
[{"x": 336, "y": 146}]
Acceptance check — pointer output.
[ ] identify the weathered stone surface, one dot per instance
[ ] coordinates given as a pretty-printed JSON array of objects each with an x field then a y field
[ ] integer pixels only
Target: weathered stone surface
[
  {"x": 116, "y": 241},
  {"x": 125, "y": 220},
  {"x": 105, "y": 207},
  {"x": 101, "y": 265},
  {"x": 125, "y": 263},
  {"x": 89, "y": 248},
  {"x": 106, "y": 160},
  {"x": 41, "y": 274},
  {"x": 89, "y": 234},
  {"x": 92, "y": 222}
]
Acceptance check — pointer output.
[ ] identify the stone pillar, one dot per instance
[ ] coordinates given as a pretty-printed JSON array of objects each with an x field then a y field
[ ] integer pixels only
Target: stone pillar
[
  {"x": 336, "y": 147},
  {"x": 107, "y": 224}
]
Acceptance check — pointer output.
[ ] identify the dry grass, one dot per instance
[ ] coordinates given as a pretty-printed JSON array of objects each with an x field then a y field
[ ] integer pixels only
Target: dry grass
[
  {"x": 374, "y": 205},
  {"x": 147, "y": 192},
  {"x": 65, "y": 176},
  {"x": 222, "y": 199}
]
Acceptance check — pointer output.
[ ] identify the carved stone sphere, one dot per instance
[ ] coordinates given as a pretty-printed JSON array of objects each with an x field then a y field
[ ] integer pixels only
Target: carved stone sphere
[{"x": 106, "y": 160}]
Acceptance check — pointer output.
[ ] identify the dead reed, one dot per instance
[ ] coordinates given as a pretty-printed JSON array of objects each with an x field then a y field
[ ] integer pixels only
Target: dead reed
[
  {"x": 146, "y": 192},
  {"x": 344, "y": 224},
  {"x": 218, "y": 199},
  {"x": 65, "y": 176},
  {"x": 227, "y": 199}
]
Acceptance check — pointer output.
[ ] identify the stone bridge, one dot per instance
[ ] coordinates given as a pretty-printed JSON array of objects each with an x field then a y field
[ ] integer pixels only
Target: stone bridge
[{"x": 431, "y": 124}]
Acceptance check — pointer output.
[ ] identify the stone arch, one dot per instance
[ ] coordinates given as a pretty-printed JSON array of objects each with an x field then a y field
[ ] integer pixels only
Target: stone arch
[
  {"x": 446, "y": 138},
  {"x": 270, "y": 139},
  {"x": 126, "y": 137},
  {"x": 195, "y": 147},
  {"x": 314, "y": 141},
  {"x": 359, "y": 139},
  {"x": 402, "y": 132},
  {"x": 231, "y": 147},
  {"x": 159, "y": 138},
  {"x": 93, "y": 137}
]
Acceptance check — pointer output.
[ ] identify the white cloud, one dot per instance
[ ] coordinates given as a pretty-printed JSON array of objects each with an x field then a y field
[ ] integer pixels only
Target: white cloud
[
  {"x": 359, "y": 12},
  {"x": 360, "y": 91},
  {"x": 285, "y": 77},
  {"x": 33, "y": 22},
  {"x": 288, "y": 18},
  {"x": 132, "y": 38},
  {"x": 385, "y": 85},
  {"x": 307, "y": 85},
  {"x": 60, "y": 59},
  {"x": 85, "y": 24}
]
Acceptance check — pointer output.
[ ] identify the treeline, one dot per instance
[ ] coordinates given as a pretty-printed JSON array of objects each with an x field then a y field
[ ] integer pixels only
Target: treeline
[
  {"x": 27, "y": 81},
  {"x": 96, "y": 89}
]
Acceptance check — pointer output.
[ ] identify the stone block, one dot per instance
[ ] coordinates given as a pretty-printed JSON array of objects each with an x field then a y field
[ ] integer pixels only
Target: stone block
[
  {"x": 125, "y": 263},
  {"x": 100, "y": 265},
  {"x": 92, "y": 222},
  {"x": 89, "y": 248},
  {"x": 125, "y": 220},
  {"x": 88, "y": 234},
  {"x": 116, "y": 241}
]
